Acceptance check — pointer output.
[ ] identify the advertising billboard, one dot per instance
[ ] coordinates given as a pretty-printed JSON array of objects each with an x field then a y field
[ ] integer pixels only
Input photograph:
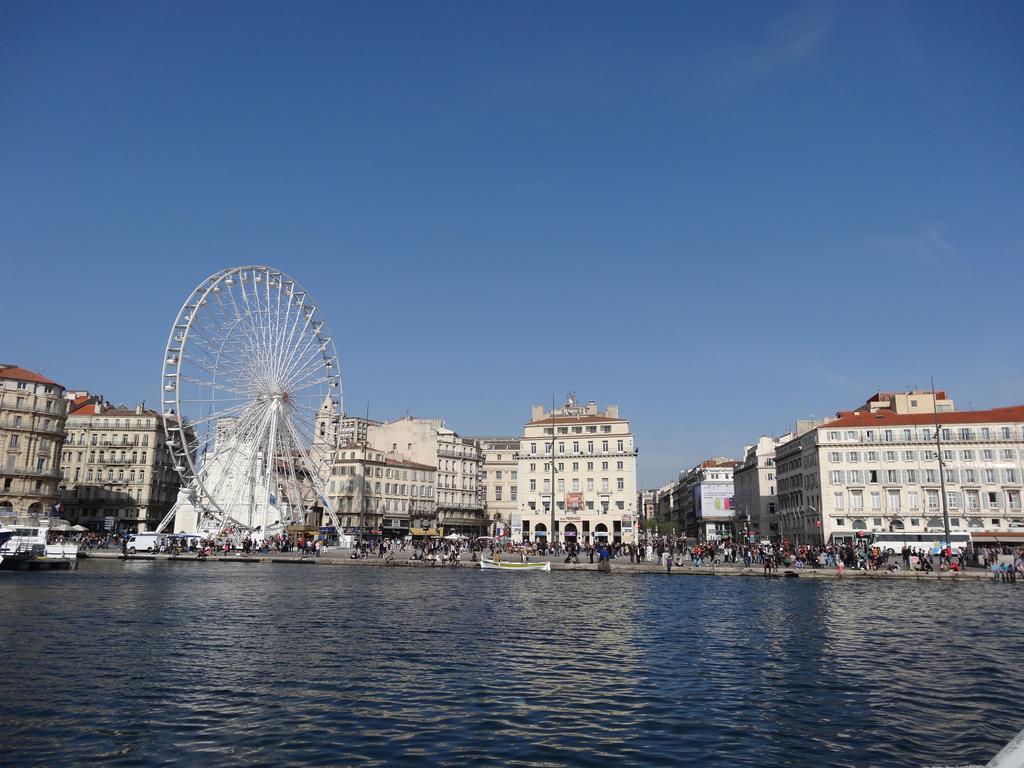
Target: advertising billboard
[
  {"x": 713, "y": 500},
  {"x": 574, "y": 500}
]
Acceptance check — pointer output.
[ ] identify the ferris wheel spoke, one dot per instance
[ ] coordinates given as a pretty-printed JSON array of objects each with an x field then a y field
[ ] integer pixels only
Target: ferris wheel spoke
[
  {"x": 313, "y": 361},
  {"x": 317, "y": 477},
  {"x": 217, "y": 416},
  {"x": 246, "y": 436},
  {"x": 243, "y": 322},
  {"x": 206, "y": 383},
  {"x": 294, "y": 325},
  {"x": 278, "y": 332},
  {"x": 300, "y": 352},
  {"x": 258, "y": 338},
  {"x": 302, "y": 386}
]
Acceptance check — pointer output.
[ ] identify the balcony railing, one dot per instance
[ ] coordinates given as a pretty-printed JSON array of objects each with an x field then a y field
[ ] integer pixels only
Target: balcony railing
[
  {"x": 123, "y": 428},
  {"x": 33, "y": 492},
  {"x": 53, "y": 429},
  {"x": 8, "y": 472}
]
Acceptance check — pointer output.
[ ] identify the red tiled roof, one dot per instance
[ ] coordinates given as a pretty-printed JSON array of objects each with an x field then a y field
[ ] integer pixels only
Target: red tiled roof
[
  {"x": 888, "y": 418},
  {"x": 571, "y": 420},
  {"x": 21, "y": 374}
]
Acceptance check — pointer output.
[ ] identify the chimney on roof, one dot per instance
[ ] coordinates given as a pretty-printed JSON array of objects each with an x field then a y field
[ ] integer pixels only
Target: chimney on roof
[
  {"x": 98, "y": 407},
  {"x": 138, "y": 409}
]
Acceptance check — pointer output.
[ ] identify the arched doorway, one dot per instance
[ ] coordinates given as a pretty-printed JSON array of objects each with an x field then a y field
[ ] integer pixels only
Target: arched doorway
[
  {"x": 540, "y": 533},
  {"x": 860, "y": 525},
  {"x": 570, "y": 533},
  {"x": 897, "y": 525},
  {"x": 35, "y": 508},
  {"x": 601, "y": 532}
]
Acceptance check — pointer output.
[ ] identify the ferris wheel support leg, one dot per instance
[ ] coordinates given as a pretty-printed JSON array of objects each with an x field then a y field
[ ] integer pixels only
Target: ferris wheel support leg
[
  {"x": 271, "y": 470},
  {"x": 171, "y": 514}
]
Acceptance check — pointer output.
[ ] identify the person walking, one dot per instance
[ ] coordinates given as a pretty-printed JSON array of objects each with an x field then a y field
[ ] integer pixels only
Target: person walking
[{"x": 668, "y": 562}]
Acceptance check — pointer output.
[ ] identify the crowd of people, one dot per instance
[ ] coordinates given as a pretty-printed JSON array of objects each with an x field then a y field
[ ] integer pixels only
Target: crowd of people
[{"x": 1005, "y": 563}]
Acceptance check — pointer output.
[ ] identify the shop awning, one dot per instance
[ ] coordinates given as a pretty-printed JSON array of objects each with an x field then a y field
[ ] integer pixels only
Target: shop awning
[
  {"x": 424, "y": 532},
  {"x": 997, "y": 537}
]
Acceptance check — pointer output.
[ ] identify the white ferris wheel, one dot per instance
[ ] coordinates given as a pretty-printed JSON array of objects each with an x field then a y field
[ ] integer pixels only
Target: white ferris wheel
[{"x": 248, "y": 369}]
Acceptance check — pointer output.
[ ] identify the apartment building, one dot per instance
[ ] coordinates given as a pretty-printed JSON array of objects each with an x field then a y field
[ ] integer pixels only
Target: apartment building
[
  {"x": 499, "y": 489},
  {"x": 32, "y": 420},
  {"x": 117, "y": 472},
  {"x": 373, "y": 493},
  {"x": 577, "y": 475},
  {"x": 886, "y": 469},
  {"x": 754, "y": 486},
  {"x": 456, "y": 461}
]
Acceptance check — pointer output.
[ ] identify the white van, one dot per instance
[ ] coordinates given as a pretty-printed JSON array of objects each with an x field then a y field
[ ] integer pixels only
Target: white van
[{"x": 144, "y": 542}]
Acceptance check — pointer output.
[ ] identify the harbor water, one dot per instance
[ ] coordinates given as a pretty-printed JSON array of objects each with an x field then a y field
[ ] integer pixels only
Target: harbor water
[{"x": 144, "y": 663}]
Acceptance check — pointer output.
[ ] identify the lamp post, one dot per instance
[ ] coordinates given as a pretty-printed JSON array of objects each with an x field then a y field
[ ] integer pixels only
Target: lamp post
[
  {"x": 551, "y": 526},
  {"x": 942, "y": 469}
]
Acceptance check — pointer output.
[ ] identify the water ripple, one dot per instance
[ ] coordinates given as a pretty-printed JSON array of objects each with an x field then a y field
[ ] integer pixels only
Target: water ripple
[{"x": 138, "y": 664}]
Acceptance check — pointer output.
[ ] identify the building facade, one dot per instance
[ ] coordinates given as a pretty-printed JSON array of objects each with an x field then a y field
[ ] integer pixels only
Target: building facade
[
  {"x": 32, "y": 419},
  {"x": 376, "y": 494},
  {"x": 455, "y": 459},
  {"x": 499, "y": 489},
  {"x": 881, "y": 470},
  {"x": 117, "y": 472},
  {"x": 705, "y": 500},
  {"x": 647, "y": 505},
  {"x": 577, "y": 475},
  {"x": 755, "y": 484}
]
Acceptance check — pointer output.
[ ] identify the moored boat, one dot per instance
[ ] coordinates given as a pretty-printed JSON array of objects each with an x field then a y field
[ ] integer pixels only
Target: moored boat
[
  {"x": 502, "y": 565},
  {"x": 25, "y": 546}
]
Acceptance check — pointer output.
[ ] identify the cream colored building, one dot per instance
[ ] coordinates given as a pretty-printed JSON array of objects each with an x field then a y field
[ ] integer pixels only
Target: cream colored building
[
  {"x": 117, "y": 472},
  {"x": 577, "y": 475},
  {"x": 754, "y": 486},
  {"x": 878, "y": 470},
  {"x": 499, "y": 489},
  {"x": 32, "y": 417},
  {"x": 456, "y": 460},
  {"x": 376, "y": 494}
]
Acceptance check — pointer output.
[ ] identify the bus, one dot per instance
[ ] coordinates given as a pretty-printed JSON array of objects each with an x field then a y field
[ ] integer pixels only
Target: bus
[{"x": 894, "y": 542}]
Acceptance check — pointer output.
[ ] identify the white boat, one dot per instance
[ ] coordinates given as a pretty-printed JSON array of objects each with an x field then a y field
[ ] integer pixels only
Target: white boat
[
  {"x": 512, "y": 565},
  {"x": 25, "y": 546}
]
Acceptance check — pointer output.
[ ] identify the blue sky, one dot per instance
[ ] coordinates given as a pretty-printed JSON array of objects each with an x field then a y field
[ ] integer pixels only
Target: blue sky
[{"x": 720, "y": 216}]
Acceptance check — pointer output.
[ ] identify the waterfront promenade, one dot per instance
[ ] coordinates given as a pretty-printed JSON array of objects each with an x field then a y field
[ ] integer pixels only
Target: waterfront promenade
[{"x": 342, "y": 557}]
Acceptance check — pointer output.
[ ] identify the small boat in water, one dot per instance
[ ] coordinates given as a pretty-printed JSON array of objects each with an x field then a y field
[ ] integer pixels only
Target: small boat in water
[
  {"x": 26, "y": 547},
  {"x": 502, "y": 565}
]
